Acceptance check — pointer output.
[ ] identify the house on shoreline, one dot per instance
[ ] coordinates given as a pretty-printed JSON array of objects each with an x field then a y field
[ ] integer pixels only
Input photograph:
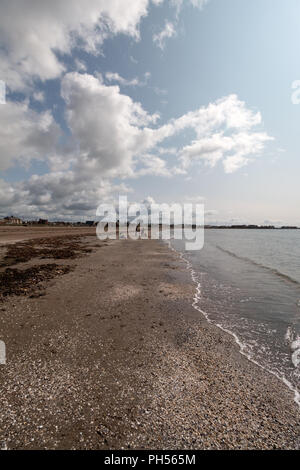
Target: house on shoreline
[{"x": 11, "y": 221}]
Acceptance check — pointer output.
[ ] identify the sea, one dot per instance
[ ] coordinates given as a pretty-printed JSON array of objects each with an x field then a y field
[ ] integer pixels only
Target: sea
[{"x": 247, "y": 282}]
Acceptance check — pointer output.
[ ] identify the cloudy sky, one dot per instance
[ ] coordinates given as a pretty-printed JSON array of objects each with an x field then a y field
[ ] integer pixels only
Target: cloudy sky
[{"x": 165, "y": 100}]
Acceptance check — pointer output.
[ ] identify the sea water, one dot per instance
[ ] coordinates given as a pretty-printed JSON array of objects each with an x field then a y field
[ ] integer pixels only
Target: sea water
[{"x": 248, "y": 283}]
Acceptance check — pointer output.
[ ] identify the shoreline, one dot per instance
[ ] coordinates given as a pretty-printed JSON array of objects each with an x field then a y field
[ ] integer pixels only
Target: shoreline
[
  {"x": 237, "y": 340},
  {"x": 114, "y": 356}
]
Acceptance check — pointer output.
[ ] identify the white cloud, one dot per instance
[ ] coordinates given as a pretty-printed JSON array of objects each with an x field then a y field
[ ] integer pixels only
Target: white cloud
[
  {"x": 234, "y": 150},
  {"x": 159, "y": 91},
  {"x": 113, "y": 136},
  {"x": 39, "y": 96},
  {"x": 80, "y": 66},
  {"x": 8, "y": 196},
  {"x": 167, "y": 32},
  {"x": 178, "y": 4},
  {"x": 25, "y": 134},
  {"x": 57, "y": 195},
  {"x": 31, "y": 33},
  {"x": 110, "y": 136},
  {"x": 225, "y": 131},
  {"x": 170, "y": 28},
  {"x": 108, "y": 126},
  {"x": 133, "y": 60},
  {"x": 115, "y": 77},
  {"x": 153, "y": 165}
]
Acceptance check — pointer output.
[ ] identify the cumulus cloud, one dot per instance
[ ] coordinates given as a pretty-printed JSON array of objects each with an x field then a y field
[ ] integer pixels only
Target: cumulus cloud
[
  {"x": 57, "y": 195},
  {"x": 225, "y": 131},
  {"x": 32, "y": 33},
  {"x": 25, "y": 134},
  {"x": 112, "y": 136},
  {"x": 153, "y": 165},
  {"x": 109, "y": 134},
  {"x": 8, "y": 195},
  {"x": 108, "y": 126}
]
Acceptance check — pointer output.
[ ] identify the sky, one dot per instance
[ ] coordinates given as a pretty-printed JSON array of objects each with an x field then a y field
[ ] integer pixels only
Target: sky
[{"x": 171, "y": 101}]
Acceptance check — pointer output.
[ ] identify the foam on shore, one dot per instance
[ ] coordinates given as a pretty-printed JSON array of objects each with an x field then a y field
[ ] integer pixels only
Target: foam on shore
[{"x": 242, "y": 346}]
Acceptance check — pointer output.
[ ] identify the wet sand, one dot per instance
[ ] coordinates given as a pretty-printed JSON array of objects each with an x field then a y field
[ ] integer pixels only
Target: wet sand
[{"x": 112, "y": 355}]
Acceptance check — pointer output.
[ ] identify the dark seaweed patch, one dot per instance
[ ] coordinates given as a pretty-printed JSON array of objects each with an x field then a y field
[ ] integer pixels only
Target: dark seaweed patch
[{"x": 27, "y": 282}]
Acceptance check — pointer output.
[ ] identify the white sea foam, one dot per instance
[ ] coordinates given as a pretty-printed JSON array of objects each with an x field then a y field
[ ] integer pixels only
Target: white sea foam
[
  {"x": 294, "y": 345},
  {"x": 296, "y": 358},
  {"x": 289, "y": 335},
  {"x": 243, "y": 346}
]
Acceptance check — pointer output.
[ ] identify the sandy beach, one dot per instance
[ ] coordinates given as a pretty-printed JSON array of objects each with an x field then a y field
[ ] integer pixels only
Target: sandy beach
[
  {"x": 105, "y": 351},
  {"x": 14, "y": 234}
]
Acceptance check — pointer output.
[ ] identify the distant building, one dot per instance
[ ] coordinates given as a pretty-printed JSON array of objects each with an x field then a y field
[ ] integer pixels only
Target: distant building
[
  {"x": 12, "y": 221},
  {"x": 43, "y": 222}
]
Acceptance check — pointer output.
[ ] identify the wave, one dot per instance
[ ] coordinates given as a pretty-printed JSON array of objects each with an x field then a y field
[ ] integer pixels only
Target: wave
[
  {"x": 239, "y": 342},
  {"x": 255, "y": 263}
]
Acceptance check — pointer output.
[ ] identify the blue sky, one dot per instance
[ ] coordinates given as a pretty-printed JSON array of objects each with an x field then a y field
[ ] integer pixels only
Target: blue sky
[{"x": 176, "y": 101}]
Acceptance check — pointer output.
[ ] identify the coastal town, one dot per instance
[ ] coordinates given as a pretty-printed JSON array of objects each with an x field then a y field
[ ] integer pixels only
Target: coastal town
[
  {"x": 15, "y": 221},
  {"x": 11, "y": 220}
]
